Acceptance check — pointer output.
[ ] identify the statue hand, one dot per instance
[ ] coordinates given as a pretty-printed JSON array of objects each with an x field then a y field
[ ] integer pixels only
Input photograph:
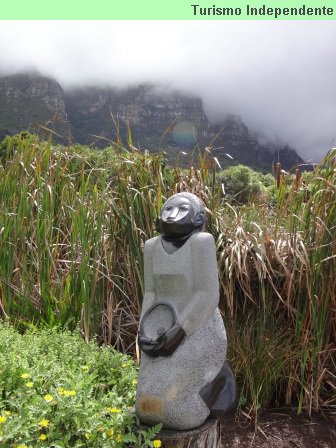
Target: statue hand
[
  {"x": 146, "y": 344},
  {"x": 172, "y": 339},
  {"x": 165, "y": 344}
]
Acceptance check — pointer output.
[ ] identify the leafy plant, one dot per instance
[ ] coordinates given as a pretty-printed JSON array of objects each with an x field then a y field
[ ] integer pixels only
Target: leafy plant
[
  {"x": 58, "y": 391},
  {"x": 242, "y": 184}
]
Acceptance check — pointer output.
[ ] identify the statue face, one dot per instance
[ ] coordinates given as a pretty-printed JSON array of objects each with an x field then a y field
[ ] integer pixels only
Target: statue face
[
  {"x": 178, "y": 217},
  {"x": 176, "y": 210}
]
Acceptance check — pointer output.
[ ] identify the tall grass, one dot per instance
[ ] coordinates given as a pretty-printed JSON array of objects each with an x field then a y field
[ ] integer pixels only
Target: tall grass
[
  {"x": 72, "y": 236},
  {"x": 278, "y": 273},
  {"x": 73, "y": 224}
]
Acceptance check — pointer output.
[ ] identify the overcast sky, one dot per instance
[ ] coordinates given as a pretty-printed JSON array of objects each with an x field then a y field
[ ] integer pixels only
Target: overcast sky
[{"x": 279, "y": 76}]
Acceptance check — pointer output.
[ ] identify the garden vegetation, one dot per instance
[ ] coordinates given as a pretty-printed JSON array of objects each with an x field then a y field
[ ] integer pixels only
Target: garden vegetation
[
  {"x": 73, "y": 224},
  {"x": 58, "y": 391}
]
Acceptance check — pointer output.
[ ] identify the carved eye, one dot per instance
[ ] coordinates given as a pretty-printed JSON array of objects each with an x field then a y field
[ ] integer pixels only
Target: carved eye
[
  {"x": 168, "y": 208},
  {"x": 184, "y": 207}
]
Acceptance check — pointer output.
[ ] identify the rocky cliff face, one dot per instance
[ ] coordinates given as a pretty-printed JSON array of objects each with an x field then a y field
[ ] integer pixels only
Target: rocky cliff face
[
  {"x": 147, "y": 110},
  {"x": 29, "y": 101},
  {"x": 157, "y": 118},
  {"x": 168, "y": 120},
  {"x": 46, "y": 90}
]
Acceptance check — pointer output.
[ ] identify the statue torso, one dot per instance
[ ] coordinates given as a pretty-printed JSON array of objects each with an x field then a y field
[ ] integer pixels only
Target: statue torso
[{"x": 173, "y": 273}]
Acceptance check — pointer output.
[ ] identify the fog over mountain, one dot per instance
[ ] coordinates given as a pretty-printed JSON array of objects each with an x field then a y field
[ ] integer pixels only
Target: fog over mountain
[{"x": 278, "y": 76}]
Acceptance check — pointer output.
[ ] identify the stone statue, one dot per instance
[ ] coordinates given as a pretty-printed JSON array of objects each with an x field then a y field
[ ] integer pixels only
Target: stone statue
[{"x": 184, "y": 376}]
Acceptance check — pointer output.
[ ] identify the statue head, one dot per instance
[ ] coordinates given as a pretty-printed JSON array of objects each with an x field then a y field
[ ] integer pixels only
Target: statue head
[{"x": 182, "y": 214}]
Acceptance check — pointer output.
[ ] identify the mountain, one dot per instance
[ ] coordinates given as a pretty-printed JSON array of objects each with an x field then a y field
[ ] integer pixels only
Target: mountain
[
  {"x": 29, "y": 101},
  {"x": 158, "y": 119}
]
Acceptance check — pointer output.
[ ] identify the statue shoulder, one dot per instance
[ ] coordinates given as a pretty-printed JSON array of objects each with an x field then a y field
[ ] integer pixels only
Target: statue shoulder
[
  {"x": 149, "y": 244},
  {"x": 203, "y": 239}
]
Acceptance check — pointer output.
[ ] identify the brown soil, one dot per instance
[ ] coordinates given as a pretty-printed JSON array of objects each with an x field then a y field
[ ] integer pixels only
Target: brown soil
[{"x": 279, "y": 430}]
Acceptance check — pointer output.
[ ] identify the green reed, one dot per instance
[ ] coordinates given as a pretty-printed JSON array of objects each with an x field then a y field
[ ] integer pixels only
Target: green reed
[{"x": 73, "y": 224}]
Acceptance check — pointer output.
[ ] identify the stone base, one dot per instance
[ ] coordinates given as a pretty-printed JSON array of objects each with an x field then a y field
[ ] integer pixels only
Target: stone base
[{"x": 206, "y": 436}]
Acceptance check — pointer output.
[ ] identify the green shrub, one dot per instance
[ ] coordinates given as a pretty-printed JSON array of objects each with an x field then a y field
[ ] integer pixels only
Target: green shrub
[
  {"x": 10, "y": 144},
  {"x": 58, "y": 391},
  {"x": 243, "y": 184}
]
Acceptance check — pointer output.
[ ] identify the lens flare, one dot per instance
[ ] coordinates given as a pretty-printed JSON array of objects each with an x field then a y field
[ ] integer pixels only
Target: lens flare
[{"x": 184, "y": 133}]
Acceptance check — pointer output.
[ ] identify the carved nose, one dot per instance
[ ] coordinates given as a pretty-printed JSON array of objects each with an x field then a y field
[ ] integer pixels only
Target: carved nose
[{"x": 173, "y": 213}]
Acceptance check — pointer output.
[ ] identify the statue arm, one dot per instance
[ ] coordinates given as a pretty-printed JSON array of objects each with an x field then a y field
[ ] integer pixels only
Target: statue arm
[
  {"x": 205, "y": 298},
  {"x": 149, "y": 291},
  {"x": 165, "y": 344}
]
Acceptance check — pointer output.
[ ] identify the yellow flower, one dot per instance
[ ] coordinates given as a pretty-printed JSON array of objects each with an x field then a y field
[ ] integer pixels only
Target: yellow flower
[
  {"x": 135, "y": 382},
  {"x": 22, "y": 446},
  {"x": 61, "y": 390},
  {"x": 157, "y": 443},
  {"x": 69, "y": 393},
  {"x": 118, "y": 438},
  {"x": 114, "y": 410},
  {"x": 2, "y": 419},
  {"x": 126, "y": 364},
  {"x": 25, "y": 375},
  {"x": 85, "y": 368},
  {"x": 42, "y": 437},
  {"x": 48, "y": 398},
  {"x": 110, "y": 433},
  {"x": 87, "y": 436},
  {"x": 44, "y": 423},
  {"x": 29, "y": 384}
]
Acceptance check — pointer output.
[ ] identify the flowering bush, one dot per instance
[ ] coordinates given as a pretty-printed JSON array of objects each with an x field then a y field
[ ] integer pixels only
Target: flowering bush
[{"x": 57, "y": 391}]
